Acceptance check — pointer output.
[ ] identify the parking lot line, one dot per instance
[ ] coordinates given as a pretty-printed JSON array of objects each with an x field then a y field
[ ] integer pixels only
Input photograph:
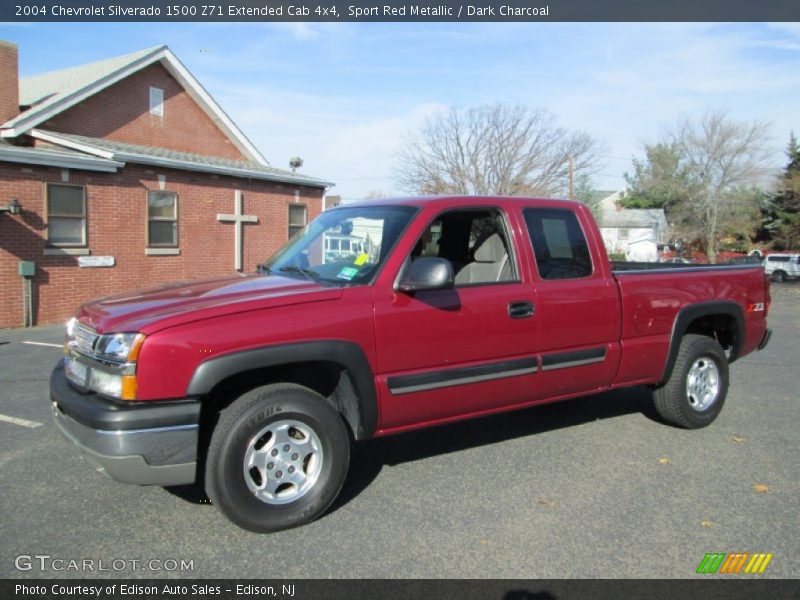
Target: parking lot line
[
  {"x": 20, "y": 422},
  {"x": 44, "y": 344}
]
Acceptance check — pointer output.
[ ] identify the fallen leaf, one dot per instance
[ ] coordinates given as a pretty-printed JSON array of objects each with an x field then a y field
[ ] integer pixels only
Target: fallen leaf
[
  {"x": 761, "y": 488},
  {"x": 706, "y": 524},
  {"x": 484, "y": 541},
  {"x": 664, "y": 460},
  {"x": 738, "y": 439},
  {"x": 543, "y": 502}
]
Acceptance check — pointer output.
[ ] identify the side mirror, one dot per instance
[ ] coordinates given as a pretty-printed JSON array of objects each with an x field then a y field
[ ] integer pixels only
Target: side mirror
[{"x": 425, "y": 274}]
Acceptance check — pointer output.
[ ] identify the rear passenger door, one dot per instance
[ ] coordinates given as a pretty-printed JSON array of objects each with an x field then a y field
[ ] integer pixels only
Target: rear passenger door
[{"x": 577, "y": 308}]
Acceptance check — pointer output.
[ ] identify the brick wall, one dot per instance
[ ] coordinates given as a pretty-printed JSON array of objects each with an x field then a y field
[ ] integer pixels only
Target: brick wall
[
  {"x": 116, "y": 209},
  {"x": 122, "y": 113},
  {"x": 9, "y": 81}
]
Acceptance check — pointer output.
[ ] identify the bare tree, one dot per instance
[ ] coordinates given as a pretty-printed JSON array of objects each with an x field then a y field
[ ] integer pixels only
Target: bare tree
[
  {"x": 493, "y": 149},
  {"x": 722, "y": 158},
  {"x": 376, "y": 194}
]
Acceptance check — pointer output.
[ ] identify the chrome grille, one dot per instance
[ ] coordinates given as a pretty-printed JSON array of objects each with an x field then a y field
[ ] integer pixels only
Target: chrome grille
[{"x": 85, "y": 338}]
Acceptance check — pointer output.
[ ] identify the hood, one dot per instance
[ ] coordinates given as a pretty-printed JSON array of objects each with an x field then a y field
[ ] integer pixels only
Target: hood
[{"x": 151, "y": 309}]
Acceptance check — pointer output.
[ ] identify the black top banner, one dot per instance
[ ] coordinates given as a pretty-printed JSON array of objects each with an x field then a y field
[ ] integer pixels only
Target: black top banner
[{"x": 393, "y": 10}]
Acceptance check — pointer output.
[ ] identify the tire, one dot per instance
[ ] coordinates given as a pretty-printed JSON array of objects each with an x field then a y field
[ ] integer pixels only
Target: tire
[
  {"x": 695, "y": 392},
  {"x": 277, "y": 458},
  {"x": 779, "y": 276}
]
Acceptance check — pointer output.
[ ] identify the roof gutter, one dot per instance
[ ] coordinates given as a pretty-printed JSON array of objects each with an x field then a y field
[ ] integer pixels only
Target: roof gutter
[
  {"x": 72, "y": 144},
  {"x": 216, "y": 169},
  {"x": 56, "y": 159},
  {"x": 175, "y": 164}
]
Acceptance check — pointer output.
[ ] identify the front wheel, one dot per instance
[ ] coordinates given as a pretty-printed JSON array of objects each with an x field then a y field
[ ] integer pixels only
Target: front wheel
[
  {"x": 277, "y": 459},
  {"x": 695, "y": 392}
]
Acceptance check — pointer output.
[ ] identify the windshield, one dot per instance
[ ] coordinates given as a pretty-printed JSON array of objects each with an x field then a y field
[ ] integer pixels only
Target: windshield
[{"x": 343, "y": 246}]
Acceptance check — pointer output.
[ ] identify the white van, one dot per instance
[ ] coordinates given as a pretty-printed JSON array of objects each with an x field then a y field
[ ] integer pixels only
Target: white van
[{"x": 781, "y": 267}]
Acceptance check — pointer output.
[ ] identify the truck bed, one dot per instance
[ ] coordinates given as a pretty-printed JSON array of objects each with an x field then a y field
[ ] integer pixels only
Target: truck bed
[{"x": 655, "y": 295}]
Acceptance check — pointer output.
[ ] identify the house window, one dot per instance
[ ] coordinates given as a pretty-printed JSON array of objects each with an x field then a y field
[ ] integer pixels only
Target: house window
[
  {"x": 297, "y": 218},
  {"x": 156, "y": 101},
  {"x": 66, "y": 215},
  {"x": 162, "y": 219}
]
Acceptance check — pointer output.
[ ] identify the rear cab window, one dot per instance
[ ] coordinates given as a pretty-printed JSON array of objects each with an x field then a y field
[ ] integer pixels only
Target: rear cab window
[{"x": 559, "y": 244}]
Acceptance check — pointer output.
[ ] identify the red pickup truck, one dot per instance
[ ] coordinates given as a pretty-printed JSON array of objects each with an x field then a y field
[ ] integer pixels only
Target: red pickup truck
[{"x": 378, "y": 318}]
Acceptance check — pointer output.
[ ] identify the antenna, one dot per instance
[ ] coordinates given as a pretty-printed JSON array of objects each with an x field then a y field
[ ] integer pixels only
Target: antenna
[{"x": 295, "y": 163}]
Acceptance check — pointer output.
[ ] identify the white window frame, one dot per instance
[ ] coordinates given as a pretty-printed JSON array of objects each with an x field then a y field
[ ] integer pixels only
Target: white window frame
[
  {"x": 83, "y": 217},
  {"x": 156, "y": 101},
  {"x": 176, "y": 220}
]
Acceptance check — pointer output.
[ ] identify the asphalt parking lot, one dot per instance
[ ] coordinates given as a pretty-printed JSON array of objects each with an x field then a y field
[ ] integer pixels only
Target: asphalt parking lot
[{"x": 594, "y": 487}]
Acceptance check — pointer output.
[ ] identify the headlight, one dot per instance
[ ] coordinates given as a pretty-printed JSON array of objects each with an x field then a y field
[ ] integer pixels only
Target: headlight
[
  {"x": 119, "y": 347},
  {"x": 69, "y": 340},
  {"x": 117, "y": 354}
]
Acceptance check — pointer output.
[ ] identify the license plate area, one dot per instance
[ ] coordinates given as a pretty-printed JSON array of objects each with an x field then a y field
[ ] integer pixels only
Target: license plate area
[{"x": 76, "y": 372}]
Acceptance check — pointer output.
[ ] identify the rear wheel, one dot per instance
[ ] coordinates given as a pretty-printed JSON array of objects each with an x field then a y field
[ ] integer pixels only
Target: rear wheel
[
  {"x": 277, "y": 459},
  {"x": 695, "y": 392}
]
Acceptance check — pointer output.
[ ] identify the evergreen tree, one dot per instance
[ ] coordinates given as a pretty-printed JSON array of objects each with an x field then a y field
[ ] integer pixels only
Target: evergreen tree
[
  {"x": 782, "y": 218},
  {"x": 658, "y": 181}
]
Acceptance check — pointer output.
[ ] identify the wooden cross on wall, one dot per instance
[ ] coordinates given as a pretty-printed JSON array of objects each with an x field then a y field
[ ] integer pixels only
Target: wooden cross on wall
[{"x": 238, "y": 220}]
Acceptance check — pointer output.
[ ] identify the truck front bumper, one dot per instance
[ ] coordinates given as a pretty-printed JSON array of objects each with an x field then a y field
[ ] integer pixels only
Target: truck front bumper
[{"x": 144, "y": 443}]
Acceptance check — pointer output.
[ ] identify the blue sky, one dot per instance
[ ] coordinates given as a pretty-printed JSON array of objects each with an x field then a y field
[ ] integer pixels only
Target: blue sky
[{"x": 341, "y": 95}]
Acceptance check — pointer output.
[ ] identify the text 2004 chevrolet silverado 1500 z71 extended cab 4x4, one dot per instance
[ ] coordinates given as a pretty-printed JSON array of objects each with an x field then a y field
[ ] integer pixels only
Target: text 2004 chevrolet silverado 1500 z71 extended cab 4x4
[{"x": 382, "y": 317}]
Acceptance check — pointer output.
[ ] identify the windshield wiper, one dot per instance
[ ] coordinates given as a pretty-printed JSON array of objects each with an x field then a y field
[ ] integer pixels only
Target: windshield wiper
[
  {"x": 263, "y": 269},
  {"x": 307, "y": 273}
]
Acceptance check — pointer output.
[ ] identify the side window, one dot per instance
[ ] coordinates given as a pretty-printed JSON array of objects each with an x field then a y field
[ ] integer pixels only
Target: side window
[
  {"x": 474, "y": 241},
  {"x": 66, "y": 215},
  {"x": 558, "y": 243}
]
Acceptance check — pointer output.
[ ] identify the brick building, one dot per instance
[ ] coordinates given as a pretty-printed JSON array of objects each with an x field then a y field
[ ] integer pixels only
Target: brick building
[{"x": 128, "y": 173}]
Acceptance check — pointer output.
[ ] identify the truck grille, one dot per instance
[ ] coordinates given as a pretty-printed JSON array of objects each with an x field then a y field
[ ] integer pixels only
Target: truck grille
[{"x": 85, "y": 339}]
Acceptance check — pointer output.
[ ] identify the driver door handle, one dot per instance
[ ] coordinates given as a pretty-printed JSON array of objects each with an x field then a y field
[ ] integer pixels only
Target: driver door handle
[{"x": 520, "y": 310}]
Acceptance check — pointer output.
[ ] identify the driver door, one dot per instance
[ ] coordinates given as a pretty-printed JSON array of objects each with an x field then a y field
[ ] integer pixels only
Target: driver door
[{"x": 447, "y": 353}]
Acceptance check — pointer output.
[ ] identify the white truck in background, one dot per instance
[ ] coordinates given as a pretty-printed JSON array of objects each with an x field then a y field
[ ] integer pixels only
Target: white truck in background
[{"x": 781, "y": 267}]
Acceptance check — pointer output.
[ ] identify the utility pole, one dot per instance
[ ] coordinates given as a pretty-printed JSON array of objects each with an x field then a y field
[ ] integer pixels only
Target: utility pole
[{"x": 570, "y": 197}]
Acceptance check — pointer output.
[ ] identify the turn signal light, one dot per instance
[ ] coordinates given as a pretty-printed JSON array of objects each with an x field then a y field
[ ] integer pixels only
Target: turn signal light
[{"x": 129, "y": 387}]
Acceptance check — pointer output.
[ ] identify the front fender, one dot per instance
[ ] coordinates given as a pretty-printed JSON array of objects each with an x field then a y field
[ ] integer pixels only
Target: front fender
[{"x": 347, "y": 354}]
